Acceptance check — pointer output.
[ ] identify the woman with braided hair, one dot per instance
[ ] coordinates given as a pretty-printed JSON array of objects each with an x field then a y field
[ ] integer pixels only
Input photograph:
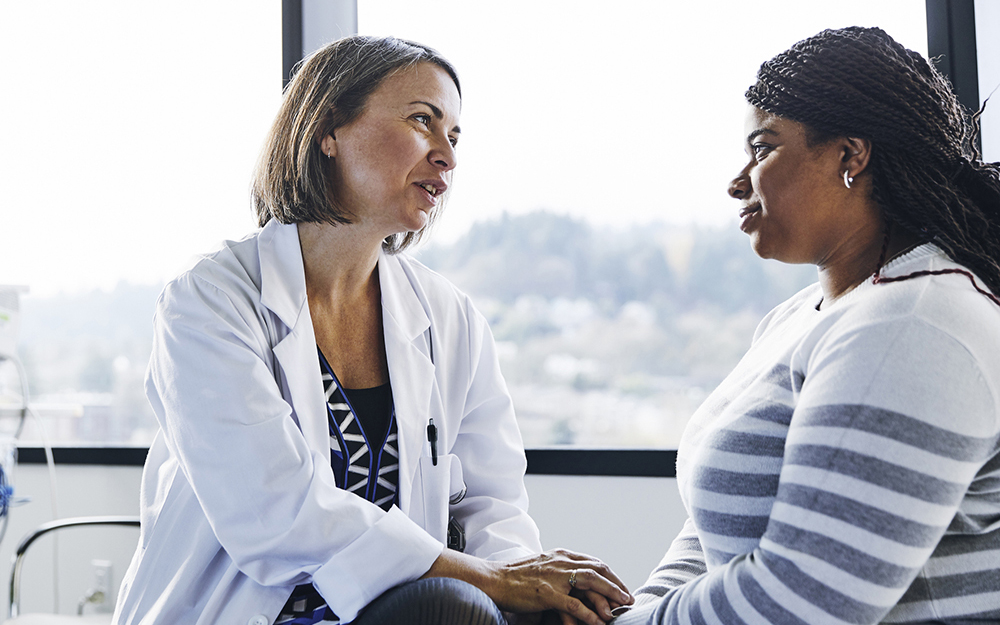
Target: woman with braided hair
[{"x": 848, "y": 470}]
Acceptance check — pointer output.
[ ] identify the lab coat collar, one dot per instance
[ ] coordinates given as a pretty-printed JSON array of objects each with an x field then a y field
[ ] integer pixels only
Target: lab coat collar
[
  {"x": 283, "y": 282},
  {"x": 283, "y": 292},
  {"x": 405, "y": 325},
  {"x": 401, "y": 304},
  {"x": 282, "y": 274}
]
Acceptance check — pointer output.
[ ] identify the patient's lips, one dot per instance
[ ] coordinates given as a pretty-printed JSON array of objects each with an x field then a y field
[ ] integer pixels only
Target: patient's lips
[{"x": 746, "y": 215}]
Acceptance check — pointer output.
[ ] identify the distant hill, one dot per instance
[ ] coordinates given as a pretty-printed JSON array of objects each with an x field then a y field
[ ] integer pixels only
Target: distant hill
[
  {"x": 72, "y": 341},
  {"x": 636, "y": 324},
  {"x": 552, "y": 256}
]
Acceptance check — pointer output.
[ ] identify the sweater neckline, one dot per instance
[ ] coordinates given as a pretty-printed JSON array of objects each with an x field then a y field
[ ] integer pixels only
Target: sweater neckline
[{"x": 891, "y": 268}]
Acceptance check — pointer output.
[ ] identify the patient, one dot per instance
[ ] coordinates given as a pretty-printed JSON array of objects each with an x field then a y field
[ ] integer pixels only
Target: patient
[
  {"x": 331, "y": 412},
  {"x": 847, "y": 470}
]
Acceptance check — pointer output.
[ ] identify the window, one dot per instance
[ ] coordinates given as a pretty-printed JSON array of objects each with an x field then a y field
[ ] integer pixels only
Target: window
[
  {"x": 129, "y": 133},
  {"x": 589, "y": 218}
]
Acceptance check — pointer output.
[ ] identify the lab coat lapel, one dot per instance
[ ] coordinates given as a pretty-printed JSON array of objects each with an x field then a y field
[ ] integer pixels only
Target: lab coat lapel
[
  {"x": 283, "y": 292},
  {"x": 405, "y": 326}
]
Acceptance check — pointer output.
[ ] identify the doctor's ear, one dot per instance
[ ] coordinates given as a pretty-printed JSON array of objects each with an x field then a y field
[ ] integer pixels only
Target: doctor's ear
[
  {"x": 328, "y": 146},
  {"x": 324, "y": 135}
]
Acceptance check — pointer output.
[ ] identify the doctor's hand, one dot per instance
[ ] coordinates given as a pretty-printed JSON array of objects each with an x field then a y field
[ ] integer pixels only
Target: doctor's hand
[{"x": 580, "y": 588}]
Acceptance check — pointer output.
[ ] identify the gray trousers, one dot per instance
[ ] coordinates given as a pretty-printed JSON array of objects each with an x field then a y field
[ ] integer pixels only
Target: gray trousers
[{"x": 432, "y": 601}]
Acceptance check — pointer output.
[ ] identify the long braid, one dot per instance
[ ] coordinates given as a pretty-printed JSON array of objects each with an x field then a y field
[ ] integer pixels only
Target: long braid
[{"x": 927, "y": 177}]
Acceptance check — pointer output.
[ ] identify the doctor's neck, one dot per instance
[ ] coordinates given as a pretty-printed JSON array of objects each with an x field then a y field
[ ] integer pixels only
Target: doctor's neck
[{"x": 339, "y": 261}]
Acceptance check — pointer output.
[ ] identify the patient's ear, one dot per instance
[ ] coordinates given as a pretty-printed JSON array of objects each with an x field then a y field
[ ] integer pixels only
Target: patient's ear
[{"x": 856, "y": 154}]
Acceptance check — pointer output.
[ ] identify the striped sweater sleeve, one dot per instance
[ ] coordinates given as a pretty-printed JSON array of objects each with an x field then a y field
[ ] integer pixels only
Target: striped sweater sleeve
[
  {"x": 683, "y": 562},
  {"x": 892, "y": 442}
]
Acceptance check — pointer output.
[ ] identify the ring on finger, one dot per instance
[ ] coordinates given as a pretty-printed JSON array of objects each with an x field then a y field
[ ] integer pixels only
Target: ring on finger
[{"x": 572, "y": 579}]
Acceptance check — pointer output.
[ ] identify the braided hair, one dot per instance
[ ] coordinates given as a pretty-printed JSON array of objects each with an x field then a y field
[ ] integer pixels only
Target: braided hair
[{"x": 927, "y": 175}]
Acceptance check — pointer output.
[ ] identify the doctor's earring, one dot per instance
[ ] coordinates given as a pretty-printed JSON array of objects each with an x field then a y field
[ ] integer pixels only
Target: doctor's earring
[
  {"x": 848, "y": 179},
  {"x": 326, "y": 147}
]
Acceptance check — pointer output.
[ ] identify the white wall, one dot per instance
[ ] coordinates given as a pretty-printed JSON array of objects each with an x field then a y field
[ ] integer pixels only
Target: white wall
[
  {"x": 83, "y": 491},
  {"x": 627, "y": 522}
]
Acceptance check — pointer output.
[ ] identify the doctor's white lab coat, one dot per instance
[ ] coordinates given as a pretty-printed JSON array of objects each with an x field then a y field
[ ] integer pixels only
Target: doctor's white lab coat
[{"x": 238, "y": 500}]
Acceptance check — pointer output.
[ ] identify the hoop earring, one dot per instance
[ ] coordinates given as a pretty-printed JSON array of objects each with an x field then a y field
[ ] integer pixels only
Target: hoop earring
[{"x": 847, "y": 179}]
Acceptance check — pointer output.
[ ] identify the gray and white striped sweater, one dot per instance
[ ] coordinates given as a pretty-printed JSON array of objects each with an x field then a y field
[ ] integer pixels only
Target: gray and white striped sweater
[{"x": 847, "y": 471}]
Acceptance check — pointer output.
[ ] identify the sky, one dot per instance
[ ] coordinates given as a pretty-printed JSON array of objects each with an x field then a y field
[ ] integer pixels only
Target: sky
[{"x": 129, "y": 130}]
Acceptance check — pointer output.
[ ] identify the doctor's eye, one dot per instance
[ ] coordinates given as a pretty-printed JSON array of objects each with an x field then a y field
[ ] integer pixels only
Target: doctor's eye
[
  {"x": 759, "y": 149},
  {"x": 422, "y": 118}
]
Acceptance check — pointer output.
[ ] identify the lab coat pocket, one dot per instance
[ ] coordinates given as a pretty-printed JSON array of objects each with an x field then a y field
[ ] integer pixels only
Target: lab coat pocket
[{"x": 442, "y": 484}]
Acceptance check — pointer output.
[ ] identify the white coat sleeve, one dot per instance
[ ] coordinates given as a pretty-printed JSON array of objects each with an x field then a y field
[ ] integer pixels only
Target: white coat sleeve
[
  {"x": 269, "y": 499},
  {"x": 494, "y": 511}
]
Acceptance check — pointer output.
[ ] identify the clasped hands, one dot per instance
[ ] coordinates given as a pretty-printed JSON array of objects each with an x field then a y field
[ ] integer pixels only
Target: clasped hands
[{"x": 578, "y": 587}]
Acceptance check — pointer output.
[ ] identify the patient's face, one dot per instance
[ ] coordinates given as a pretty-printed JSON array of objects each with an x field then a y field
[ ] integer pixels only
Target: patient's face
[{"x": 791, "y": 193}]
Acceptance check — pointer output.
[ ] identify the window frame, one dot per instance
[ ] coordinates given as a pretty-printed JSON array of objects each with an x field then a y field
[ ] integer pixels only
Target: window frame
[{"x": 541, "y": 461}]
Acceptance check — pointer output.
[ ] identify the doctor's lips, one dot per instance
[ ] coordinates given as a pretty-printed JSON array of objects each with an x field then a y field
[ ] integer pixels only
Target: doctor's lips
[{"x": 434, "y": 187}]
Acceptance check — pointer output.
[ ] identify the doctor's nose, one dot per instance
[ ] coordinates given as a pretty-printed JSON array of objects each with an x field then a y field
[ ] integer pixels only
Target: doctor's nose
[{"x": 444, "y": 156}]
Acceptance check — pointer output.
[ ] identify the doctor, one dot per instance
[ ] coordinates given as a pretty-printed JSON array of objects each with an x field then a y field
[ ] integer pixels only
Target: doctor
[{"x": 313, "y": 345}]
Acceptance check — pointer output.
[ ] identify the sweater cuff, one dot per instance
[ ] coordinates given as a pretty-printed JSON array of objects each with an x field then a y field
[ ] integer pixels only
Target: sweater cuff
[{"x": 393, "y": 551}]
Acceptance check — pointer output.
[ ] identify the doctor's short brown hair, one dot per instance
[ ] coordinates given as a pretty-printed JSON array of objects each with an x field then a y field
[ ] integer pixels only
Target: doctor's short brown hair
[{"x": 331, "y": 87}]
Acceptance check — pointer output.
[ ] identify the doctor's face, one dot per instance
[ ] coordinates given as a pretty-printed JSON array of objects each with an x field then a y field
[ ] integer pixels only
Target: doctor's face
[{"x": 394, "y": 162}]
